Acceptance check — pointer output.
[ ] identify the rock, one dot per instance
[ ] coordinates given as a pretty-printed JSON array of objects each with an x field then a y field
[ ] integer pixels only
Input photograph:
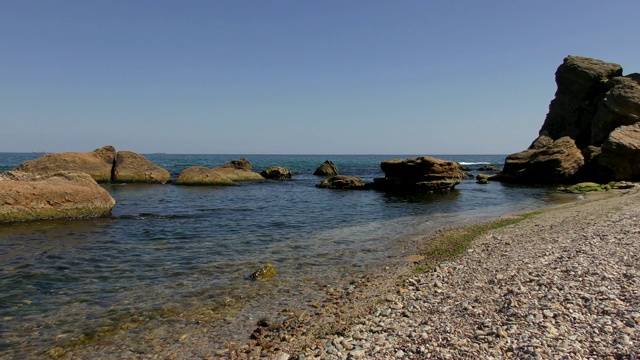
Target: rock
[
  {"x": 27, "y": 196},
  {"x": 489, "y": 168},
  {"x": 327, "y": 168},
  {"x": 580, "y": 82},
  {"x": 482, "y": 179},
  {"x": 224, "y": 175},
  {"x": 620, "y": 157},
  {"x": 267, "y": 272},
  {"x": 343, "y": 182},
  {"x": 131, "y": 167},
  {"x": 420, "y": 173},
  {"x": 620, "y": 106},
  {"x": 557, "y": 163},
  {"x": 200, "y": 175},
  {"x": 98, "y": 163},
  {"x": 592, "y": 102},
  {"x": 276, "y": 173},
  {"x": 584, "y": 187},
  {"x": 241, "y": 164}
]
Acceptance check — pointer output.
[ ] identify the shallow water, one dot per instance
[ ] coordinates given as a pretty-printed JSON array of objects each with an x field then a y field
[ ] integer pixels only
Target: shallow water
[{"x": 173, "y": 247}]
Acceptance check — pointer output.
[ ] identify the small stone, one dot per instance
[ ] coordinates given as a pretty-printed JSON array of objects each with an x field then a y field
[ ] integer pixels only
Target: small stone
[
  {"x": 357, "y": 354},
  {"x": 399, "y": 354}
]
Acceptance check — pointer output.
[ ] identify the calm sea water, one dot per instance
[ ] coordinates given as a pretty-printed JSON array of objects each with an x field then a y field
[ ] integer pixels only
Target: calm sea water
[{"x": 173, "y": 247}]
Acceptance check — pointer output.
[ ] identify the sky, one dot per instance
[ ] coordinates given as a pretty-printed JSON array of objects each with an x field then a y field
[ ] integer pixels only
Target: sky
[{"x": 420, "y": 77}]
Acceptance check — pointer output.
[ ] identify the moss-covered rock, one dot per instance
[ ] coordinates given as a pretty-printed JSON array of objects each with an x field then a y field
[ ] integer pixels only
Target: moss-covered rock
[
  {"x": 584, "y": 187},
  {"x": 267, "y": 272}
]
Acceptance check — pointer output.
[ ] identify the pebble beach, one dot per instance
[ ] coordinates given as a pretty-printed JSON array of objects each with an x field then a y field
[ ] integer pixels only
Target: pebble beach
[{"x": 563, "y": 283}]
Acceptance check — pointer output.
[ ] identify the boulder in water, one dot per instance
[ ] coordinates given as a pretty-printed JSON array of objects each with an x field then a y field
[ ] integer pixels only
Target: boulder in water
[
  {"x": 27, "y": 196},
  {"x": 98, "y": 163},
  {"x": 327, "y": 168},
  {"x": 421, "y": 173},
  {"x": 131, "y": 167},
  {"x": 266, "y": 272}
]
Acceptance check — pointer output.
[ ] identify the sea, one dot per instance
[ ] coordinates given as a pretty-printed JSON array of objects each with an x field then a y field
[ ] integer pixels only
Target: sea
[{"x": 166, "y": 250}]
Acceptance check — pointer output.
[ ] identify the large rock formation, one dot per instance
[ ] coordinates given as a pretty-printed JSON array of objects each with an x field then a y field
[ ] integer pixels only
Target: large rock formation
[
  {"x": 420, "y": 173},
  {"x": 26, "y": 196},
  {"x": 327, "y": 168},
  {"x": 102, "y": 164},
  {"x": 224, "y": 175},
  {"x": 98, "y": 163},
  {"x": 589, "y": 133},
  {"x": 131, "y": 167}
]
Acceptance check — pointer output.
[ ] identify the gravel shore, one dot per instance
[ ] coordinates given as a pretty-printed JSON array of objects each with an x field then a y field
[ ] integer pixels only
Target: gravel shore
[{"x": 561, "y": 284}]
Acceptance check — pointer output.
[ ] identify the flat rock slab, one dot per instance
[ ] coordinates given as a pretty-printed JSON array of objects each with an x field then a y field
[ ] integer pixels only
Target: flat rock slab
[{"x": 27, "y": 196}]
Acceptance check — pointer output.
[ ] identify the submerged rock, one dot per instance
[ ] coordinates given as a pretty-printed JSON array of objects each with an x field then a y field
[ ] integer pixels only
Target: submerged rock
[
  {"x": 98, "y": 163},
  {"x": 343, "y": 182},
  {"x": 421, "y": 173},
  {"x": 327, "y": 168},
  {"x": 26, "y": 196},
  {"x": 267, "y": 272},
  {"x": 131, "y": 167}
]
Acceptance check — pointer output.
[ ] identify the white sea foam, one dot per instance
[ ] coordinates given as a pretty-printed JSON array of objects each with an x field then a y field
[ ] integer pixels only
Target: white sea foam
[{"x": 474, "y": 163}]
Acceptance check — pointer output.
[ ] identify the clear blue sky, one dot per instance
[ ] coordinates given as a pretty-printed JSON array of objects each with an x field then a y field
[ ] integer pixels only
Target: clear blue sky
[{"x": 294, "y": 77}]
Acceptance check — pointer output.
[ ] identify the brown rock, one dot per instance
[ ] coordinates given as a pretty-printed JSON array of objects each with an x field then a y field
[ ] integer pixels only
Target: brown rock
[
  {"x": 98, "y": 163},
  {"x": 620, "y": 106},
  {"x": 26, "y": 196},
  {"x": 241, "y": 164},
  {"x": 420, "y": 173},
  {"x": 131, "y": 167},
  {"x": 556, "y": 163},
  {"x": 620, "y": 157},
  {"x": 276, "y": 173},
  {"x": 224, "y": 175},
  {"x": 581, "y": 82},
  {"x": 327, "y": 168},
  {"x": 343, "y": 182}
]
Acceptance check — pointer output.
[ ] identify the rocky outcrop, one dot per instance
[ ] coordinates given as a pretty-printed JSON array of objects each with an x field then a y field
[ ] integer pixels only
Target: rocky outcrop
[
  {"x": 98, "y": 163},
  {"x": 555, "y": 163},
  {"x": 620, "y": 158},
  {"x": 224, "y": 175},
  {"x": 276, "y": 173},
  {"x": 26, "y": 196},
  {"x": 420, "y": 173},
  {"x": 342, "y": 182},
  {"x": 327, "y": 168},
  {"x": 595, "y": 107},
  {"x": 131, "y": 167},
  {"x": 581, "y": 82},
  {"x": 103, "y": 165}
]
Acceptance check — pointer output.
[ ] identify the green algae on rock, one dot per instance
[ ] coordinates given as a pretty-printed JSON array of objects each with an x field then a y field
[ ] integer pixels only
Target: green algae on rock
[{"x": 267, "y": 272}]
